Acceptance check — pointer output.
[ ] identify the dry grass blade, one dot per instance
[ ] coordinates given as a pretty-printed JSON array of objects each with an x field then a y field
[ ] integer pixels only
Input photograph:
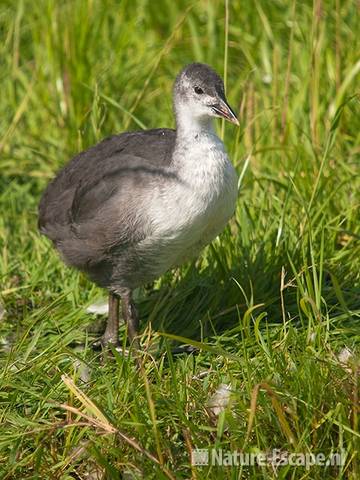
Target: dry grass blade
[
  {"x": 91, "y": 421},
  {"x": 98, "y": 419},
  {"x": 277, "y": 407},
  {"x": 287, "y": 78},
  {"x": 86, "y": 402}
]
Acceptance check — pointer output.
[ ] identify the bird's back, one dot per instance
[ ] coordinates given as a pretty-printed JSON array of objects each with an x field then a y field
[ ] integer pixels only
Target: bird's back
[{"x": 93, "y": 174}]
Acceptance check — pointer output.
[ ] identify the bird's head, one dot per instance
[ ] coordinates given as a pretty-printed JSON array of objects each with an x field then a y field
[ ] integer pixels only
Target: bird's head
[{"x": 199, "y": 95}]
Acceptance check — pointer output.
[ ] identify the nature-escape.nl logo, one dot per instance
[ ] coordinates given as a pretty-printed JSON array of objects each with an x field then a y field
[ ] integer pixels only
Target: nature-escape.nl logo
[{"x": 226, "y": 458}]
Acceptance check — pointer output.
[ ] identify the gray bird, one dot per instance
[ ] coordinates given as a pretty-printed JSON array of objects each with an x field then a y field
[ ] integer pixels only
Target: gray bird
[{"x": 136, "y": 204}]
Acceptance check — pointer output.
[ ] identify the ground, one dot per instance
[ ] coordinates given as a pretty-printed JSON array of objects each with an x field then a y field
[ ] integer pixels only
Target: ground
[{"x": 272, "y": 305}]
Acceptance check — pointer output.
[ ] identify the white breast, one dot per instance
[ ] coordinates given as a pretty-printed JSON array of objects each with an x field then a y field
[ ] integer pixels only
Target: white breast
[{"x": 188, "y": 212}]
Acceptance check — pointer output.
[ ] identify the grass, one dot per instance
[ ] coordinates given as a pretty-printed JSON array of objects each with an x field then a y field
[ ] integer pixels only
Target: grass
[{"x": 271, "y": 303}]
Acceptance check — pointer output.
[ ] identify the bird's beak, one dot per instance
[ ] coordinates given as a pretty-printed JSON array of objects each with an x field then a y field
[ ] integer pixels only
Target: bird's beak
[{"x": 223, "y": 109}]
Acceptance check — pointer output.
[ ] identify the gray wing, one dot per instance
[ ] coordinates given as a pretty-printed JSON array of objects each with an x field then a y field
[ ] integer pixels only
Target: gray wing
[{"x": 94, "y": 203}]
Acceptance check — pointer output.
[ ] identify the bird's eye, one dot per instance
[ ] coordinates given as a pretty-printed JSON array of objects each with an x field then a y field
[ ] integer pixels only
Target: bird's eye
[{"x": 198, "y": 90}]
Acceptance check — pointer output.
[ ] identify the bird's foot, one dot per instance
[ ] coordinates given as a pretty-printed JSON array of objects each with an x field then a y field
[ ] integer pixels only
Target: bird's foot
[
  {"x": 184, "y": 349},
  {"x": 104, "y": 343}
]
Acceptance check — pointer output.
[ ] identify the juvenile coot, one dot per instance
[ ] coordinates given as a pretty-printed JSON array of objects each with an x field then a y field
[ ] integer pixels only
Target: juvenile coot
[{"x": 139, "y": 203}]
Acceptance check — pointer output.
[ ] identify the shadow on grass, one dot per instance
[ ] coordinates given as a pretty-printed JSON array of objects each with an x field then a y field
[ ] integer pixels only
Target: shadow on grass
[
  {"x": 211, "y": 300},
  {"x": 208, "y": 301}
]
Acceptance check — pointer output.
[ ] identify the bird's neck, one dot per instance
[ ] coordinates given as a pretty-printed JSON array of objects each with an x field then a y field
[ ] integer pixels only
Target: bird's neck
[
  {"x": 190, "y": 126},
  {"x": 198, "y": 150}
]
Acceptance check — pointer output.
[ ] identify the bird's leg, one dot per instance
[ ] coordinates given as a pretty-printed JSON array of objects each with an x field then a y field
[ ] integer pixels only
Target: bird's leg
[
  {"x": 130, "y": 316},
  {"x": 111, "y": 334}
]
